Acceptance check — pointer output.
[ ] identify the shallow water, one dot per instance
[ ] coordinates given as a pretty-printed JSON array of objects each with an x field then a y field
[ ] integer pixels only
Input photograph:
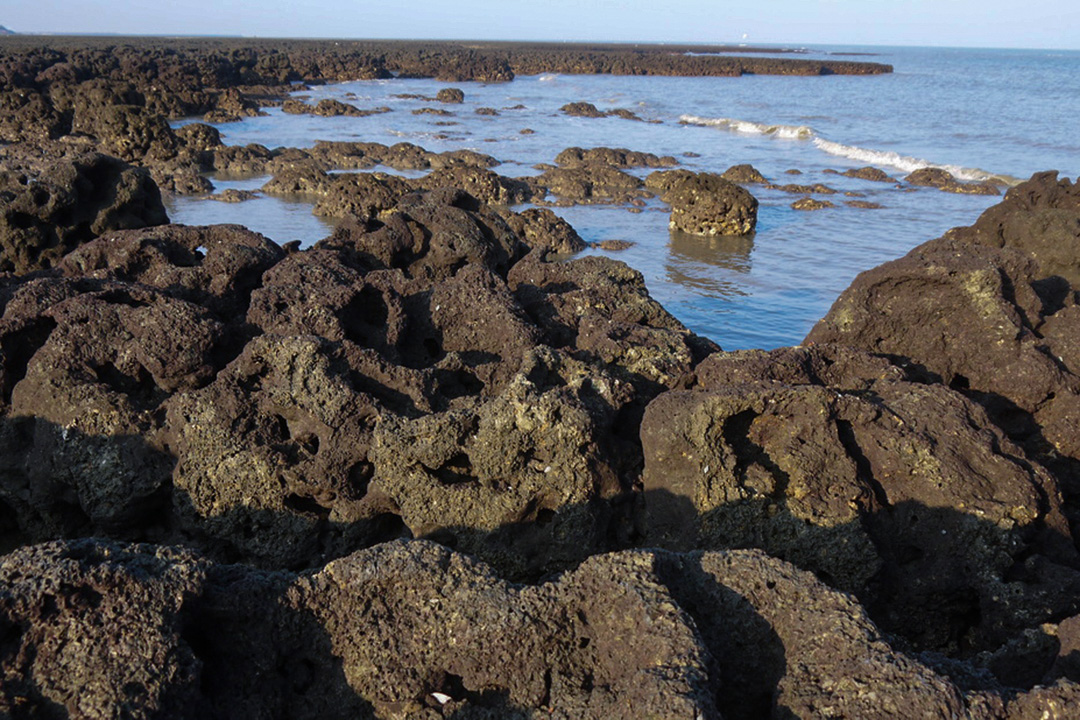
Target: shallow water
[{"x": 977, "y": 112}]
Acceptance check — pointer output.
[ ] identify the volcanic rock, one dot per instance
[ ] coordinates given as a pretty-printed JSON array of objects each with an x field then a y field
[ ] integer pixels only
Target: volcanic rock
[
  {"x": 944, "y": 180},
  {"x": 837, "y": 462},
  {"x": 707, "y": 204},
  {"x": 49, "y": 205},
  {"x": 450, "y": 95}
]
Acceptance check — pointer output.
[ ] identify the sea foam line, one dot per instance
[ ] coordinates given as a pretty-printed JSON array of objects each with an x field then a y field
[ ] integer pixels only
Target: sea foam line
[{"x": 905, "y": 163}]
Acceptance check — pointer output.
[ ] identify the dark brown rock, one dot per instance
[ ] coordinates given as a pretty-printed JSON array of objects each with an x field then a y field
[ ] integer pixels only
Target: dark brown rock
[
  {"x": 544, "y": 231},
  {"x": 614, "y": 157},
  {"x": 869, "y": 173},
  {"x": 809, "y": 203},
  {"x": 877, "y": 484},
  {"x": 744, "y": 175},
  {"x": 453, "y": 96},
  {"x": 50, "y": 205},
  {"x": 707, "y": 204},
  {"x": 944, "y": 180},
  {"x": 581, "y": 109}
]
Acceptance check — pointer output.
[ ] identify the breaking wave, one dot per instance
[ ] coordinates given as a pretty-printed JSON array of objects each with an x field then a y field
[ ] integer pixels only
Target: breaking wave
[{"x": 905, "y": 163}]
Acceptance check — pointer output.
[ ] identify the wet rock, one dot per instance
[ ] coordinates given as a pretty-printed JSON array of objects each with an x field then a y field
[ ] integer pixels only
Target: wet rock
[
  {"x": 944, "y": 180},
  {"x": 795, "y": 189},
  {"x": 232, "y": 195},
  {"x": 293, "y": 106},
  {"x": 328, "y": 107},
  {"x": 360, "y": 195},
  {"x": 486, "y": 111},
  {"x": 199, "y": 136},
  {"x": 581, "y": 109},
  {"x": 809, "y": 203},
  {"x": 863, "y": 204},
  {"x": 454, "y": 96},
  {"x": 479, "y": 182},
  {"x": 592, "y": 184},
  {"x": 613, "y": 245},
  {"x": 707, "y": 204},
  {"x": 300, "y": 179},
  {"x": 614, "y": 157},
  {"x": 744, "y": 175},
  {"x": 839, "y": 464},
  {"x": 869, "y": 173},
  {"x": 50, "y": 205},
  {"x": 241, "y": 160},
  {"x": 432, "y": 111},
  {"x": 129, "y": 132}
]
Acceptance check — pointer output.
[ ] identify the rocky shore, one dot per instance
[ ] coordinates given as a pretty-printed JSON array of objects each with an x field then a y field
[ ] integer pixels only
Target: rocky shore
[{"x": 436, "y": 466}]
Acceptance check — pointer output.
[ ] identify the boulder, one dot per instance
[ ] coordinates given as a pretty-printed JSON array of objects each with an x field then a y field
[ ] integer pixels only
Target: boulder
[
  {"x": 707, "y": 204},
  {"x": 454, "y": 96},
  {"x": 902, "y": 493},
  {"x": 49, "y": 206}
]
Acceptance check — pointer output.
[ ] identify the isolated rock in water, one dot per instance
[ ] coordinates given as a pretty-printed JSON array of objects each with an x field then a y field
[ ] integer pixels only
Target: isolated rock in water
[
  {"x": 944, "y": 180},
  {"x": 870, "y": 173},
  {"x": 361, "y": 195},
  {"x": 839, "y": 464},
  {"x": 199, "y": 136},
  {"x": 450, "y": 95},
  {"x": 581, "y": 109},
  {"x": 809, "y": 203},
  {"x": 50, "y": 206},
  {"x": 595, "y": 183},
  {"x": 744, "y": 175},
  {"x": 615, "y": 157},
  {"x": 707, "y": 204}
]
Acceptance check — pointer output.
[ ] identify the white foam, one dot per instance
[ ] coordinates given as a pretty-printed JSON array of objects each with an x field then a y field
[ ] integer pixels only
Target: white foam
[
  {"x": 908, "y": 164},
  {"x": 852, "y": 152},
  {"x": 747, "y": 127},
  {"x": 548, "y": 78}
]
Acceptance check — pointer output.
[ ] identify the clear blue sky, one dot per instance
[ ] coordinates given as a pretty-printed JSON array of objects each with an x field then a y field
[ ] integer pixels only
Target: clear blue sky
[{"x": 963, "y": 23}]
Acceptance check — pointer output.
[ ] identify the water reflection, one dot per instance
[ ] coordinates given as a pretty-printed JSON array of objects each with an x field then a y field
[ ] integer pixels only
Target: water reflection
[
  {"x": 278, "y": 218},
  {"x": 707, "y": 265}
]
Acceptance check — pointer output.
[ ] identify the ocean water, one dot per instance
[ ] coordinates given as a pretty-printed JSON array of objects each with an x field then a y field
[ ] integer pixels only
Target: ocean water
[{"x": 1001, "y": 114}]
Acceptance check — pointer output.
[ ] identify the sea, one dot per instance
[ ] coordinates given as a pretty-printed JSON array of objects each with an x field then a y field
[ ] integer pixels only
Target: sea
[{"x": 982, "y": 114}]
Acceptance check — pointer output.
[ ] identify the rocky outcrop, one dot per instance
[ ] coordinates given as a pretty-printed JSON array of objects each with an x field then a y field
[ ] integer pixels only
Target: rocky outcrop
[
  {"x": 944, "y": 180},
  {"x": 54, "y": 199},
  {"x": 615, "y": 157},
  {"x": 453, "y": 96},
  {"x": 411, "y": 628},
  {"x": 837, "y": 461},
  {"x": 707, "y": 204}
]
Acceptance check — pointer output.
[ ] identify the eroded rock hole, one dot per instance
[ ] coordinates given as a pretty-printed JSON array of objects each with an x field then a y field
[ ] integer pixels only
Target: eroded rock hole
[{"x": 456, "y": 470}]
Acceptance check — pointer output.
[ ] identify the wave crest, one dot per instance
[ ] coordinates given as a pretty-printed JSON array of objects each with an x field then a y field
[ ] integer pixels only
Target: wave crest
[{"x": 869, "y": 156}]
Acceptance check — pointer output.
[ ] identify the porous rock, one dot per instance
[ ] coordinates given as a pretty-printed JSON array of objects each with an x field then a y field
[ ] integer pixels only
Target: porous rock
[
  {"x": 707, "y": 204},
  {"x": 51, "y": 204},
  {"x": 841, "y": 465}
]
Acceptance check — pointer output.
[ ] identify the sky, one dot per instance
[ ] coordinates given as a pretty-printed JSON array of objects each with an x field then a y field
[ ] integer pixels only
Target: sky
[{"x": 952, "y": 23}]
